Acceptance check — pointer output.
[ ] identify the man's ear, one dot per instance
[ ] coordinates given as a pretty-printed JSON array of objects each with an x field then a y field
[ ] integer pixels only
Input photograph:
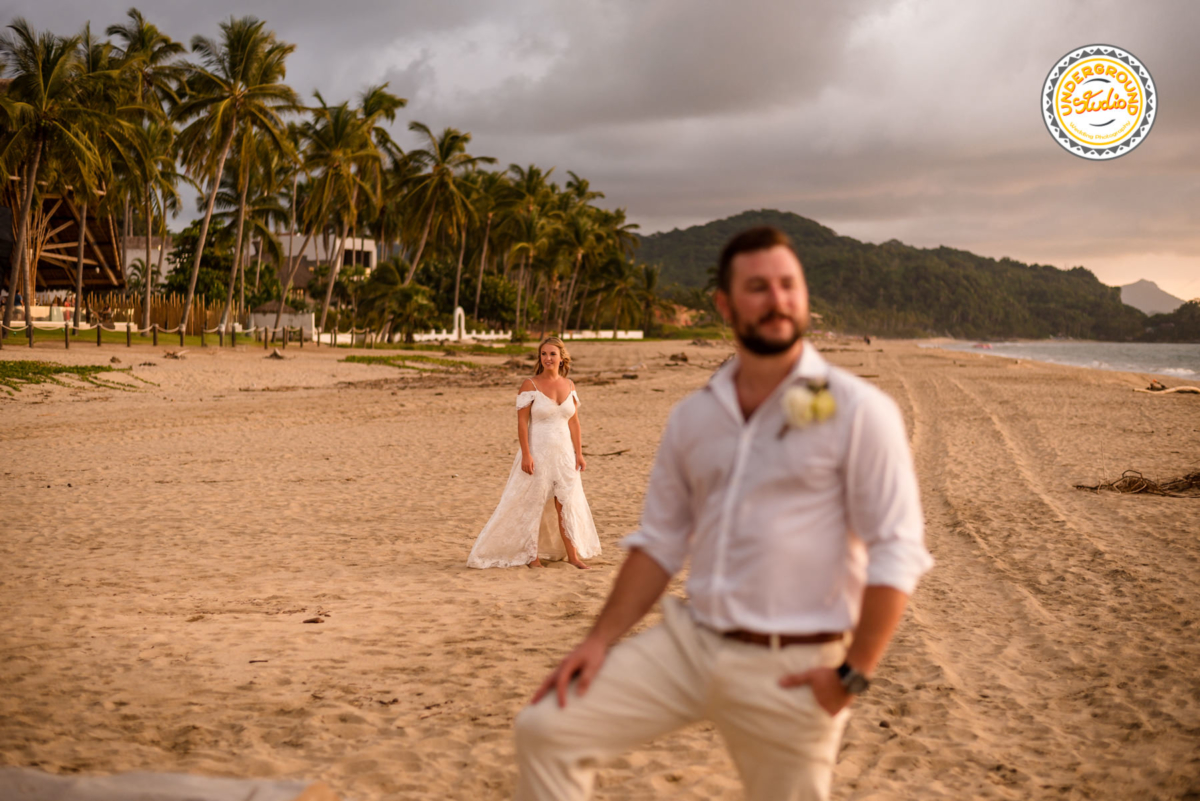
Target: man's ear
[{"x": 721, "y": 299}]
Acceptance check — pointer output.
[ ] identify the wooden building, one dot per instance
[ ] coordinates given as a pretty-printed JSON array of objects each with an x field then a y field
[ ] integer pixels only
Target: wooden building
[{"x": 54, "y": 241}]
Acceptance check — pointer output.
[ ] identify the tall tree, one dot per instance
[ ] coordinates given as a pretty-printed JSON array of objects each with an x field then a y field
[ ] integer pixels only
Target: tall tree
[
  {"x": 238, "y": 80},
  {"x": 442, "y": 186},
  {"x": 47, "y": 104}
]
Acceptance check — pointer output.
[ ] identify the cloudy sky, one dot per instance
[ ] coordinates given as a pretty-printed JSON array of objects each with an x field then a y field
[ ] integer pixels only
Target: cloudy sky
[{"x": 909, "y": 119}]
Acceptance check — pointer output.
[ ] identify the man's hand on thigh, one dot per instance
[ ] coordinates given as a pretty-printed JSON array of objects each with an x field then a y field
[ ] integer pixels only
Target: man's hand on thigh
[{"x": 585, "y": 661}]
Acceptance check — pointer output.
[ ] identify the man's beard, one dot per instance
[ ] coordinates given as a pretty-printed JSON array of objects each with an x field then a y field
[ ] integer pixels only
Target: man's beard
[{"x": 755, "y": 342}]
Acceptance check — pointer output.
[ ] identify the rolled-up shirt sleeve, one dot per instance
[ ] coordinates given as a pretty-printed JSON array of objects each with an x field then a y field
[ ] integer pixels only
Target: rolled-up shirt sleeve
[
  {"x": 666, "y": 523},
  {"x": 883, "y": 499}
]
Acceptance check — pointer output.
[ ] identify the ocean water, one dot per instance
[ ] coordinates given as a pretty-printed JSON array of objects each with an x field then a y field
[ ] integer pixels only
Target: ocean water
[{"x": 1179, "y": 361}]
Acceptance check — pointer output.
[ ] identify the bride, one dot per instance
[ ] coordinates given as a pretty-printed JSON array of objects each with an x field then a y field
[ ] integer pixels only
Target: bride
[{"x": 543, "y": 513}]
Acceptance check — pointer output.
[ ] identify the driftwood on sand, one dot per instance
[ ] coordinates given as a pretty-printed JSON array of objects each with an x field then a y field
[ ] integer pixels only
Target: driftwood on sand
[
  {"x": 1157, "y": 387},
  {"x": 1187, "y": 390},
  {"x": 1133, "y": 482}
]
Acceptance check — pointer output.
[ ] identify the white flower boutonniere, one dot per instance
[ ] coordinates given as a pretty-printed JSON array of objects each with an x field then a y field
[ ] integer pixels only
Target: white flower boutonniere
[{"x": 803, "y": 406}]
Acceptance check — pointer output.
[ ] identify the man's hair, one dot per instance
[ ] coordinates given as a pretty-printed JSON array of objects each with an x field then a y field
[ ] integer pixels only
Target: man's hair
[{"x": 764, "y": 237}]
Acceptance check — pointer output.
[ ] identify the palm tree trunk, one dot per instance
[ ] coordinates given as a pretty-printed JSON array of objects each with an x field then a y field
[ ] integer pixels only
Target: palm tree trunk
[
  {"x": 149, "y": 271},
  {"x": 126, "y": 235},
  {"x": 21, "y": 267},
  {"x": 162, "y": 250},
  {"x": 412, "y": 268},
  {"x": 291, "y": 272},
  {"x": 546, "y": 310},
  {"x": 212, "y": 201},
  {"x": 458, "y": 276},
  {"x": 520, "y": 288},
  {"x": 258, "y": 263},
  {"x": 566, "y": 310},
  {"x": 237, "y": 256},
  {"x": 83, "y": 209},
  {"x": 582, "y": 303},
  {"x": 17, "y": 257},
  {"x": 482, "y": 264},
  {"x": 334, "y": 269},
  {"x": 596, "y": 313}
]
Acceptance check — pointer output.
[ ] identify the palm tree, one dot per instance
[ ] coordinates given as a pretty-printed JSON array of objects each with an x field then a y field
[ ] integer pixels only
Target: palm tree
[
  {"x": 159, "y": 178},
  {"x": 145, "y": 55},
  {"x": 237, "y": 82},
  {"x": 253, "y": 153},
  {"x": 339, "y": 147},
  {"x": 489, "y": 192},
  {"x": 45, "y": 101},
  {"x": 447, "y": 159},
  {"x": 99, "y": 68},
  {"x": 141, "y": 276},
  {"x": 390, "y": 303},
  {"x": 622, "y": 288},
  {"x": 648, "y": 292},
  {"x": 148, "y": 54},
  {"x": 581, "y": 238}
]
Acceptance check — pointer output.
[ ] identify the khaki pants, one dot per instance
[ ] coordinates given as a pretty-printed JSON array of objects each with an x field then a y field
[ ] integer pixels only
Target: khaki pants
[{"x": 783, "y": 743}]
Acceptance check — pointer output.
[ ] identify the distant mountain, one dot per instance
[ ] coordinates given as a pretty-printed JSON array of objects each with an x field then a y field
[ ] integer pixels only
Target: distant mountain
[
  {"x": 897, "y": 290},
  {"x": 1146, "y": 295}
]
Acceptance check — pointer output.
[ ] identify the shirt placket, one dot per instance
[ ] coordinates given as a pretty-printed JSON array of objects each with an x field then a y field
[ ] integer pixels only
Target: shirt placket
[{"x": 728, "y": 512}]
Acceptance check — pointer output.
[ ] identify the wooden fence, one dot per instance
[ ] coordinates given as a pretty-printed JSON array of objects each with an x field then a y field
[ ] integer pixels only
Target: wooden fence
[{"x": 166, "y": 311}]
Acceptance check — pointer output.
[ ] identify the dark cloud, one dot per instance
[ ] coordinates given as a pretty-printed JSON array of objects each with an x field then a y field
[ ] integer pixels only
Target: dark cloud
[{"x": 880, "y": 118}]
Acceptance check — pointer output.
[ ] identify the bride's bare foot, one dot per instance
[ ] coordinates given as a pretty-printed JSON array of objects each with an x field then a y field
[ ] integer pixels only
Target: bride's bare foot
[
  {"x": 579, "y": 563},
  {"x": 535, "y": 563}
]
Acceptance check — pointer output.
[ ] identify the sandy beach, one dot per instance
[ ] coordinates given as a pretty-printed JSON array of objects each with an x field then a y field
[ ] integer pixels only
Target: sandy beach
[{"x": 163, "y": 547}]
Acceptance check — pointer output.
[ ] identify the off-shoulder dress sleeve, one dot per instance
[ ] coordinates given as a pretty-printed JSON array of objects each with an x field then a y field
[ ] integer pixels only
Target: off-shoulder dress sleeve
[{"x": 525, "y": 399}]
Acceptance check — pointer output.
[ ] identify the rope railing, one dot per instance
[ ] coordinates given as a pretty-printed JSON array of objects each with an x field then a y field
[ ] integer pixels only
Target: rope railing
[{"x": 284, "y": 334}]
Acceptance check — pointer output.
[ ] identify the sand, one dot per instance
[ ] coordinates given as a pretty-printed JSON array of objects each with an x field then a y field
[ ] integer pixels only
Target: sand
[{"x": 162, "y": 549}]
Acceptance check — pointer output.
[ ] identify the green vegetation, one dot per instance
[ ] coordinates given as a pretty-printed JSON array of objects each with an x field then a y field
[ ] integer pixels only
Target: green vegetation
[
  {"x": 14, "y": 374},
  {"x": 1181, "y": 325},
  {"x": 897, "y": 290},
  {"x": 117, "y": 124},
  {"x": 412, "y": 361},
  {"x": 507, "y": 349}
]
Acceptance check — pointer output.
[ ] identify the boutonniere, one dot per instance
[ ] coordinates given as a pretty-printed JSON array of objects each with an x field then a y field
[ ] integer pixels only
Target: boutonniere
[{"x": 803, "y": 406}]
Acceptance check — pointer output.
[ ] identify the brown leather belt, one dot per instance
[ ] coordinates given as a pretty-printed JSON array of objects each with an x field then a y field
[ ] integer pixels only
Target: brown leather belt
[{"x": 755, "y": 638}]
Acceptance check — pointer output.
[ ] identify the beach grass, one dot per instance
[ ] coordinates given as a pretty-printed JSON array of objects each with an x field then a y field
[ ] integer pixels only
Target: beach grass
[
  {"x": 15, "y": 374},
  {"x": 412, "y": 362}
]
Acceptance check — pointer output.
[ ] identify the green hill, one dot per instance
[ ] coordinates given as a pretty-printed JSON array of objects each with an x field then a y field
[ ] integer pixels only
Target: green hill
[{"x": 896, "y": 290}]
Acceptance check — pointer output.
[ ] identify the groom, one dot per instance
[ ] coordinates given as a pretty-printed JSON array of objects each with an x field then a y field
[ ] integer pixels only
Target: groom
[{"x": 789, "y": 486}]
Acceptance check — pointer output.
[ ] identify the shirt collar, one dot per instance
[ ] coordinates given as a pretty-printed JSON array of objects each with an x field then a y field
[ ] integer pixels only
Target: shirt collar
[{"x": 810, "y": 367}]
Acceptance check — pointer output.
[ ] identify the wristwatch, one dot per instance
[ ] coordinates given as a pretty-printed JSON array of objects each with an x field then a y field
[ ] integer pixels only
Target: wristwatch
[{"x": 852, "y": 681}]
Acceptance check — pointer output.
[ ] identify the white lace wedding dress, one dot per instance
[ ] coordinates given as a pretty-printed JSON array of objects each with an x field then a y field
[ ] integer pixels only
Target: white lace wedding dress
[{"x": 525, "y": 523}]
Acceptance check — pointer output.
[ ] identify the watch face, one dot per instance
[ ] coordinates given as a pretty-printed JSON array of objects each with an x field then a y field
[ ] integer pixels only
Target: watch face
[{"x": 854, "y": 682}]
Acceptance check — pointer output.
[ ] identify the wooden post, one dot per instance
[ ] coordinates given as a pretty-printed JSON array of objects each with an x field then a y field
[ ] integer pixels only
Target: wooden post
[
  {"x": 301, "y": 330},
  {"x": 203, "y": 343},
  {"x": 266, "y": 339},
  {"x": 181, "y": 335},
  {"x": 66, "y": 336},
  {"x": 220, "y": 336},
  {"x": 285, "y": 337},
  {"x": 129, "y": 335},
  {"x": 154, "y": 330},
  {"x": 29, "y": 331},
  {"x": 99, "y": 331},
  {"x": 233, "y": 337}
]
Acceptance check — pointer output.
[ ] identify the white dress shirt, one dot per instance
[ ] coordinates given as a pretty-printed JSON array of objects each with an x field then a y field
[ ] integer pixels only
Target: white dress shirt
[{"x": 784, "y": 532}]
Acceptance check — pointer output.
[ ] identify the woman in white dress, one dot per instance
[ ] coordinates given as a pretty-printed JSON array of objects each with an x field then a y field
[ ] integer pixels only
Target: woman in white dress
[{"x": 543, "y": 513}]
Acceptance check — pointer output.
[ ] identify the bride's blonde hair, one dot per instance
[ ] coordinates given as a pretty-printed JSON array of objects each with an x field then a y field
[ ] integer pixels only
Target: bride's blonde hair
[{"x": 563, "y": 368}]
